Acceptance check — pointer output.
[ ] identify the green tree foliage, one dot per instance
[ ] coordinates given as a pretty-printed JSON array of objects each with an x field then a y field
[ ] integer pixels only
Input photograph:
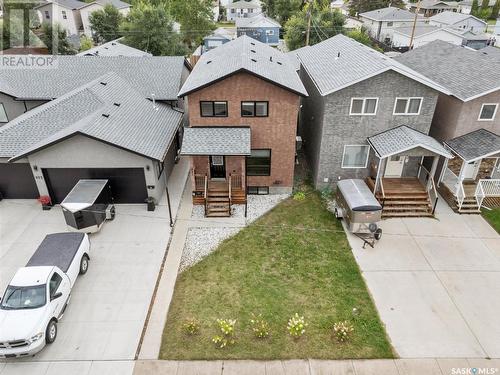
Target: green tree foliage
[
  {"x": 106, "y": 23},
  {"x": 485, "y": 5},
  {"x": 195, "y": 18},
  {"x": 496, "y": 10},
  {"x": 362, "y": 36},
  {"x": 475, "y": 8},
  {"x": 360, "y": 6},
  {"x": 54, "y": 35},
  {"x": 85, "y": 43},
  {"x": 281, "y": 10},
  {"x": 149, "y": 27},
  {"x": 325, "y": 23}
]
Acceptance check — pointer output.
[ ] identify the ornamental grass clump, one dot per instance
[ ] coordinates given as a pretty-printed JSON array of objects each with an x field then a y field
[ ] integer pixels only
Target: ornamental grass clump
[
  {"x": 342, "y": 330},
  {"x": 299, "y": 196},
  {"x": 191, "y": 326},
  {"x": 226, "y": 327},
  {"x": 260, "y": 326},
  {"x": 296, "y": 326}
]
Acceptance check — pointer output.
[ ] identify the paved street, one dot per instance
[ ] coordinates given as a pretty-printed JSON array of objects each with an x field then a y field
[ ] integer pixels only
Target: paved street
[{"x": 436, "y": 284}]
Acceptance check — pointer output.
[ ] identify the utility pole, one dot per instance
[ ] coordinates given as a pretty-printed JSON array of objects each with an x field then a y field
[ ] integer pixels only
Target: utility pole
[
  {"x": 410, "y": 47},
  {"x": 309, "y": 15}
]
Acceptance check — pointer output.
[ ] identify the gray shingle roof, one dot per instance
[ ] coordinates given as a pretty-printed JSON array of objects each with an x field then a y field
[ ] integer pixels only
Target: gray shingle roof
[
  {"x": 389, "y": 14},
  {"x": 244, "y": 54},
  {"x": 451, "y": 18},
  {"x": 259, "y": 20},
  {"x": 114, "y": 48},
  {"x": 242, "y": 4},
  {"x": 475, "y": 145},
  {"x": 455, "y": 68},
  {"x": 403, "y": 138},
  {"x": 436, "y": 4},
  {"x": 131, "y": 121},
  {"x": 116, "y": 3},
  {"x": 149, "y": 75},
  {"x": 69, "y": 4},
  {"x": 491, "y": 51},
  {"x": 419, "y": 30},
  {"x": 216, "y": 141},
  {"x": 339, "y": 62}
]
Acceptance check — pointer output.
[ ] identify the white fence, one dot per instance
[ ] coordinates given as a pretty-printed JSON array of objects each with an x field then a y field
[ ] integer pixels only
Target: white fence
[{"x": 487, "y": 188}]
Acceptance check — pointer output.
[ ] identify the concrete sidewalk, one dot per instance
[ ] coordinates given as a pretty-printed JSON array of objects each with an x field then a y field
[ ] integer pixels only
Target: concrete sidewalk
[{"x": 323, "y": 367}]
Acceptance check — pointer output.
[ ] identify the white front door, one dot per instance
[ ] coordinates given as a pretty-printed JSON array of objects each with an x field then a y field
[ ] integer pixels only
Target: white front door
[
  {"x": 470, "y": 170},
  {"x": 394, "y": 166}
]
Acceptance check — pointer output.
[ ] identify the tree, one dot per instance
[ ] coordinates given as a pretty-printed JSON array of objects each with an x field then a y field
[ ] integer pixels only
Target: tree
[
  {"x": 360, "y": 6},
  {"x": 496, "y": 10},
  {"x": 106, "y": 23},
  {"x": 195, "y": 17},
  {"x": 475, "y": 8},
  {"x": 485, "y": 5},
  {"x": 85, "y": 43},
  {"x": 281, "y": 10},
  {"x": 325, "y": 23},
  {"x": 149, "y": 28},
  {"x": 55, "y": 34},
  {"x": 362, "y": 36}
]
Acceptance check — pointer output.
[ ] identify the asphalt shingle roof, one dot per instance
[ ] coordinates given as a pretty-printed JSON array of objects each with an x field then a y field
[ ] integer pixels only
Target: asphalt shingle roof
[
  {"x": 340, "y": 61},
  {"x": 451, "y": 18},
  {"x": 475, "y": 145},
  {"x": 491, "y": 51},
  {"x": 108, "y": 109},
  {"x": 114, "y": 48},
  {"x": 257, "y": 21},
  {"x": 244, "y": 54},
  {"x": 435, "y": 4},
  {"x": 69, "y": 4},
  {"x": 149, "y": 75},
  {"x": 403, "y": 138},
  {"x": 242, "y": 4},
  {"x": 456, "y": 68},
  {"x": 216, "y": 141},
  {"x": 389, "y": 14},
  {"x": 116, "y": 3}
]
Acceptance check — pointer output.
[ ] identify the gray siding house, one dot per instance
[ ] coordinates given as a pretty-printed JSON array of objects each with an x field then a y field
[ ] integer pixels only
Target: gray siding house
[{"x": 259, "y": 27}]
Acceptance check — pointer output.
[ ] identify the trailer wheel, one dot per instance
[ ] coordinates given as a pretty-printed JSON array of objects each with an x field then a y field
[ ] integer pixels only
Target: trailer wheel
[
  {"x": 51, "y": 332},
  {"x": 378, "y": 234},
  {"x": 84, "y": 264}
]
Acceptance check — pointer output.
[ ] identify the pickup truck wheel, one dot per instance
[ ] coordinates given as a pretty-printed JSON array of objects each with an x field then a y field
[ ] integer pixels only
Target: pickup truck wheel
[
  {"x": 51, "y": 332},
  {"x": 84, "y": 265}
]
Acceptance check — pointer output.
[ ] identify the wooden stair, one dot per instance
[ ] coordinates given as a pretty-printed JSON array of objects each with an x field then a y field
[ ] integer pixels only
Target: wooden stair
[
  {"x": 469, "y": 206},
  {"x": 218, "y": 204}
]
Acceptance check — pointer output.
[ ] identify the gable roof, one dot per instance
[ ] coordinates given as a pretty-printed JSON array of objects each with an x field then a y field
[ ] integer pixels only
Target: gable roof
[
  {"x": 107, "y": 109},
  {"x": 216, "y": 140},
  {"x": 69, "y": 4},
  {"x": 389, "y": 14},
  {"x": 451, "y": 18},
  {"x": 456, "y": 68},
  {"x": 475, "y": 145},
  {"x": 404, "y": 138},
  {"x": 114, "y": 48},
  {"x": 339, "y": 62},
  {"x": 244, "y": 54},
  {"x": 421, "y": 30},
  {"x": 242, "y": 4},
  {"x": 149, "y": 75},
  {"x": 435, "y": 4},
  {"x": 116, "y": 3},
  {"x": 259, "y": 20}
]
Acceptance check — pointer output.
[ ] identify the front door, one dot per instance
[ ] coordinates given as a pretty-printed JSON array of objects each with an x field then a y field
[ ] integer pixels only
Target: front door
[
  {"x": 217, "y": 167},
  {"x": 394, "y": 166},
  {"x": 470, "y": 170}
]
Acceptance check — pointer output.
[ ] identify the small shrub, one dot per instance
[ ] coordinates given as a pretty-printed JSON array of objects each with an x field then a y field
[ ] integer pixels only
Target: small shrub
[
  {"x": 260, "y": 327},
  {"x": 326, "y": 193},
  {"x": 296, "y": 326},
  {"x": 226, "y": 327},
  {"x": 342, "y": 330},
  {"x": 191, "y": 326},
  {"x": 299, "y": 196}
]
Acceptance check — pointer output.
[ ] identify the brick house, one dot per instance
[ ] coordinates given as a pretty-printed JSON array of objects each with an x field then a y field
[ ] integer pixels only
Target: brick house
[{"x": 243, "y": 101}]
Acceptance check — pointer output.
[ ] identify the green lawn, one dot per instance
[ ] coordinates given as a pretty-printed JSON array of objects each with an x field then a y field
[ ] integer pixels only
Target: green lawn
[
  {"x": 225, "y": 24},
  {"x": 492, "y": 217},
  {"x": 294, "y": 259}
]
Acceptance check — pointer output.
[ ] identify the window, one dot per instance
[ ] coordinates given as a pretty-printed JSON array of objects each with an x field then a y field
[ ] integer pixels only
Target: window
[
  {"x": 389, "y": 24},
  {"x": 213, "y": 109},
  {"x": 259, "y": 163},
  {"x": 488, "y": 112},
  {"x": 269, "y": 32},
  {"x": 355, "y": 156},
  {"x": 258, "y": 190},
  {"x": 54, "y": 283},
  {"x": 407, "y": 106},
  {"x": 64, "y": 16},
  {"x": 364, "y": 106},
  {"x": 47, "y": 15},
  {"x": 3, "y": 114},
  {"x": 254, "y": 109}
]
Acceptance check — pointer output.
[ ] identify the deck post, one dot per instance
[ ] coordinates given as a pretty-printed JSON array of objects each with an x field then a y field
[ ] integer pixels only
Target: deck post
[
  {"x": 443, "y": 170},
  {"x": 433, "y": 171},
  {"x": 377, "y": 179},
  {"x": 494, "y": 168}
]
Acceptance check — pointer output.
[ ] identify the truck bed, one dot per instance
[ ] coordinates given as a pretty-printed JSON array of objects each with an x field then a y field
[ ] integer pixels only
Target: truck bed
[{"x": 57, "y": 249}]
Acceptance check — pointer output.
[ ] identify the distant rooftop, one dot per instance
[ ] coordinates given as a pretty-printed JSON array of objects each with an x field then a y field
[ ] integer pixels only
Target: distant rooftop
[
  {"x": 451, "y": 18},
  {"x": 114, "y": 48},
  {"x": 436, "y": 4},
  {"x": 259, "y": 20},
  {"x": 389, "y": 14},
  {"x": 242, "y": 4},
  {"x": 69, "y": 4}
]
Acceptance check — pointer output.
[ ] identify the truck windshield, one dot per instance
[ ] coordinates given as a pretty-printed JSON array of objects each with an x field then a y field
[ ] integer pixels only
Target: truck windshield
[{"x": 23, "y": 297}]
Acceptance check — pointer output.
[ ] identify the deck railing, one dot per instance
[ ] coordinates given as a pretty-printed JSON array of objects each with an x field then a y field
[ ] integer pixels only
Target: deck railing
[
  {"x": 487, "y": 188},
  {"x": 455, "y": 185},
  {"x": 199, "y": 182},
  {"x": 230, "y": 187},
  {"x": 236, "y": 181},
  {"x": 424, "y": 176},
  {"x": 205, "y": 194}
]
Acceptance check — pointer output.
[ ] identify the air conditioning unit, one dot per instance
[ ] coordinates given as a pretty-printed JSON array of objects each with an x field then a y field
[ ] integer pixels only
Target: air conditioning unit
[{"x": 298, "y": 143}]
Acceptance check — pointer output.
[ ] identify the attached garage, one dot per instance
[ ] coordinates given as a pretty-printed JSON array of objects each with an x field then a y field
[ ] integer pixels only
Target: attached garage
[
  {"x": 128, "y": 185},
  {"x": 17, "y": 181}
]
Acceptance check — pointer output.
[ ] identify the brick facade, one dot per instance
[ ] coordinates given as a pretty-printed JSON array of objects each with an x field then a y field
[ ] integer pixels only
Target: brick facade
[{"x": 276, "y": 132}]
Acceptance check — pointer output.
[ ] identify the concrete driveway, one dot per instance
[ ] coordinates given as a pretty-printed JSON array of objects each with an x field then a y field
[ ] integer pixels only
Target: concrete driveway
[
  {"x": 109, "y": 305},
  {"x": 436, "y": 284}
]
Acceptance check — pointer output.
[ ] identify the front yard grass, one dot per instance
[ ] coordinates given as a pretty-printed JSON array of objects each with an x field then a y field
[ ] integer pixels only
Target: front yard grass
[
  {"x": 294, "y": 259},
  {"x": 493, "y": 217}
]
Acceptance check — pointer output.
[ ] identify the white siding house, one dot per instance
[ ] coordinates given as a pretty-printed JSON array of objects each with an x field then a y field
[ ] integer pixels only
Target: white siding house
[
  {"x": 458, "y": 21},
  {"x": 423, "y": 35},
  {"x": 242, "y": 8},
  {"x": 87, "y": 10},
  {"x": 64, "y": 12}
]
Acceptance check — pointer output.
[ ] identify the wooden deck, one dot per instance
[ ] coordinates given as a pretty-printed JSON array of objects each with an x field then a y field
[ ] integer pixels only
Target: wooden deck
[
  {"x": 218, "y": 200},
  {"x": 403, "y": 197}
]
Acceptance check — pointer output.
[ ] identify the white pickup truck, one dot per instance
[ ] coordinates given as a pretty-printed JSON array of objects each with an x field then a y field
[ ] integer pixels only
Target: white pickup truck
[{"x": 38, "y": 294}]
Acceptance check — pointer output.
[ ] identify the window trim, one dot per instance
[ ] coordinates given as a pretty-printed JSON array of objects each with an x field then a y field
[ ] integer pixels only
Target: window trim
[
  {"x": 364, "y": 99},
  {"x": 6, "y": 115},
  {"x": 270, "y": 163},
  {"x": 64, "y": 15},
  {"x": 494, "y": 113},
  {"x": 254, "y": 107},
  {"x": 213, "y": 107},
  {"x": 356, "y": 145},
  {"x": 408, "y": 98}
]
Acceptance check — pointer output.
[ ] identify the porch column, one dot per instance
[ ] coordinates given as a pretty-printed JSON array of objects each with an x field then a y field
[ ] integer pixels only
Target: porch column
[
  {"x": 243, "y": 173},
  {"x": 208, "y": 166},
  {"x": 443, "y": 171},
  {"x": 433, "y": 171},
  {"x": 378, "y": 177}
]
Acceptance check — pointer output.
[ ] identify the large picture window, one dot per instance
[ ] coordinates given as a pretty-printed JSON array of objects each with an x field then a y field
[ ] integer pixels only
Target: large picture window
[
  {"x": 259, "y": 163},
  {"x": 407, "y": 106},
  {"x": 488, "y": 112},
  {"x": 364, "y": 106},
  {"x": 213, "y": 109},
  {"x": 355, "y": 156},
  {"x": 254, "y": 109}
]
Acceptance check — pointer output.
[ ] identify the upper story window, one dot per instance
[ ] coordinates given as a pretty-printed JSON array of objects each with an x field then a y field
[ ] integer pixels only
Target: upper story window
[
  {"x": 47, "y": 14},
  {"x": 269, "y": 32},
  {"x": 364, "y": 106},
  {"x": 488, "y": 112},
  {"x": 3, "y": 114},
  {"x": 254, "y": 109},
  {"x": 65, "y": 17},
  {"x": 213, "y": 109},
  {"x": 407, "y": 106},
  {"x": 389, "y": 24}
]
